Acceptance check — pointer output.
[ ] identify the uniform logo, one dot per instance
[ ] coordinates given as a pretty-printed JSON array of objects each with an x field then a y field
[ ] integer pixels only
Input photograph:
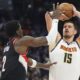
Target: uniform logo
[{"x": 72, "y": 49}]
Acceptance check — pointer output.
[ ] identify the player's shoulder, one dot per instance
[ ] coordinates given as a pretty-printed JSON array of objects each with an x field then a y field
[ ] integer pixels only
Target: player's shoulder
[{"x": 52, "y": 47}]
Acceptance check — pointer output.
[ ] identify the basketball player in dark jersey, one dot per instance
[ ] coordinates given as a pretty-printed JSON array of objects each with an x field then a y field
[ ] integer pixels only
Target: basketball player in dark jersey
[{"x": 14, "y": 55}]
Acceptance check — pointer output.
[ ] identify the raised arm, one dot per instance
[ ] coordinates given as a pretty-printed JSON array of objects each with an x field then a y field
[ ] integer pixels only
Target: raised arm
[
  {"x": 76, "y": 13},
  {"x": 48, "y": 20}
]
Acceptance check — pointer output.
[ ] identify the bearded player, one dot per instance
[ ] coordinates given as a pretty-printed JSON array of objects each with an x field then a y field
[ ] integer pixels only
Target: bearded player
[{"x": 65, "y": 51}]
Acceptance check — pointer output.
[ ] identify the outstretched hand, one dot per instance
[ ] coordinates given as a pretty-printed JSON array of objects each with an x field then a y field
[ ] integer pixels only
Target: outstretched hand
[{"x": 48, "y": 65}]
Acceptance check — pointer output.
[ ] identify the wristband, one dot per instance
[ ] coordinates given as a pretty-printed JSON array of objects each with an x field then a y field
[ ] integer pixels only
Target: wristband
[{"x": 34, "y": 63}]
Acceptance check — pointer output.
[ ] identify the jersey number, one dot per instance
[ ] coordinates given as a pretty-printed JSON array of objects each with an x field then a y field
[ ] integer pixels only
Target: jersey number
[
  {"x": 67, "y": 58},
  {"x": 4, "y": 61}
]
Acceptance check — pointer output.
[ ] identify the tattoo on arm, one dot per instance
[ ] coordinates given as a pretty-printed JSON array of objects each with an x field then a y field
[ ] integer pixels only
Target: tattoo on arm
[{"x": 33, "y": 42}]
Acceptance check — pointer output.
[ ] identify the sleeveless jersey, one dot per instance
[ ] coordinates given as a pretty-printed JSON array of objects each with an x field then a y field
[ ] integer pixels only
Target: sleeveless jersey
[
  {"x": 14, "y": 64},
  {"x": 67, "y": 57}
]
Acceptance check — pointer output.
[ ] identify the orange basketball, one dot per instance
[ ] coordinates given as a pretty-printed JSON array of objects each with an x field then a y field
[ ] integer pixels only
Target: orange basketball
[{"x": 67, "y": 9}]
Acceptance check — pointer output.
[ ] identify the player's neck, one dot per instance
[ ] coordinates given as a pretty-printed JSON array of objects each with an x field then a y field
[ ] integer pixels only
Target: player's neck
[{"x": 68, "y": 40}]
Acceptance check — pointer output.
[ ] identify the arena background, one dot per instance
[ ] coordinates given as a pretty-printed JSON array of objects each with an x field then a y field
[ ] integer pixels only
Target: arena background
[{"x": 31, "y": 14}]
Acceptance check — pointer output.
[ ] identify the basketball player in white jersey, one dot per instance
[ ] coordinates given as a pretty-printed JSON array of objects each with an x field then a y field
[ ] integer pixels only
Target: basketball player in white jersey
[{"x": 65, "y": 52}]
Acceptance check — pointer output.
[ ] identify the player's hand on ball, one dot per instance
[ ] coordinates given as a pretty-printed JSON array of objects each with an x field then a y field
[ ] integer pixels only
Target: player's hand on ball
[
  {"x": 58, "y": 14},
  {"x": 61, "y": 12}
]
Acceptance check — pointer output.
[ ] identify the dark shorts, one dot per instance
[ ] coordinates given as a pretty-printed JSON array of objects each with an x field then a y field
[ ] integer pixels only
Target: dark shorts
[
  {"x": 15, "y": 78},
  {"x": 17, "y": 74}
]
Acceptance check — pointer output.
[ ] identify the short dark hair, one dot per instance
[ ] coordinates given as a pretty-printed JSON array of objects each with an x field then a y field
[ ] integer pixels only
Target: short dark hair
[
  {"x": 11, "y": 27},
  {"x": 73, "y": 22}
]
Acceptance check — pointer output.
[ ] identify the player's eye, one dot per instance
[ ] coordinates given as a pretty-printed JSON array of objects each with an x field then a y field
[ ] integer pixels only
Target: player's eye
[{"x": 65, "y": 26}]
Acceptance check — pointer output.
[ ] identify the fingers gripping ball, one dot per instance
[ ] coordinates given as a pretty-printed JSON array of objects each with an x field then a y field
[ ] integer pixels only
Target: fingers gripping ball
[{"x": 67, "y": 9}]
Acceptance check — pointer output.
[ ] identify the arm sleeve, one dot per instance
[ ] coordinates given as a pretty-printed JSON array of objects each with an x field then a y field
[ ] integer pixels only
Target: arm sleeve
[{"x": 53, "y": 32}]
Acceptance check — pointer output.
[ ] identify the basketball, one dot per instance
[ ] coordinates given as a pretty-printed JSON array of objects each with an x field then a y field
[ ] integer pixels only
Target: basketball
[{"x": 67, "y": 9}]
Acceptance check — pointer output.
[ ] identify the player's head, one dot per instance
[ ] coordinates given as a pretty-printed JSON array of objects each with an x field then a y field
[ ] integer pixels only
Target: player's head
[
  {"x": 13, "y": 28},
  {"x": 69, "y": 29}
]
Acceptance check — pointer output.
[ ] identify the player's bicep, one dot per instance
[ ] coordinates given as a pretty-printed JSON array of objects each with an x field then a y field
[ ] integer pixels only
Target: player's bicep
[{"x": 25, "y": 41}]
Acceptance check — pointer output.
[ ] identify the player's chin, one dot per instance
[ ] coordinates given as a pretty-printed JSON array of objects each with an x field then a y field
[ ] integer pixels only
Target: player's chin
[{"x": 66, "y": 36}]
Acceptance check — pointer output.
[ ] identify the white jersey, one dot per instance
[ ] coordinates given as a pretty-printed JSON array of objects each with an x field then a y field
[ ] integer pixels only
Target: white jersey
[{"x": 67, "y": 57}]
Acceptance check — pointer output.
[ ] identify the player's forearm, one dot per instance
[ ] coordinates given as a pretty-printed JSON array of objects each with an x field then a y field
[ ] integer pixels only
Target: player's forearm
[
  {"x": 34, "y": 64},
  {"x": 42, "y": 65},
  {"x": 40, "y": 41},
  {"x": 45, "y": 65}
]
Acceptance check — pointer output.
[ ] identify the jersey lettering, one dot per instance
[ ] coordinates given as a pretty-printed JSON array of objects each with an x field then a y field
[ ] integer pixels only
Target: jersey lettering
[
  {"x": 4, "y": 61},
  {"x": 6, "y": 49},
  {"x": 67, "y": 58}
]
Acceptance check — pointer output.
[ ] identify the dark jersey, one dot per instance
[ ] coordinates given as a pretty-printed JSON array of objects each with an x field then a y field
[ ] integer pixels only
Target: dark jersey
[{"x": 14, "y": 64}]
